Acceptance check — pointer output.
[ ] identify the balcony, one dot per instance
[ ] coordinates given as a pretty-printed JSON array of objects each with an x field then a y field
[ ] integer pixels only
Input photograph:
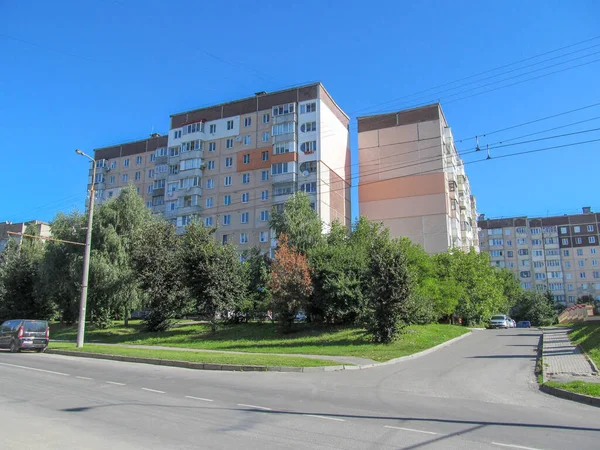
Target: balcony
[
  {"x": 289, "y": 177},
  {"x": 158, "y": 192},
  {"x": 158, "y": 209},
  {"x": 186, "y": 155},
  {"x": 284, "y": 137},
  {"x": 161, "y": 160},
  {"x": 186, "y": 174},
  {"x": 191, "y": 190},
  {"x": 281, "y": 118}
]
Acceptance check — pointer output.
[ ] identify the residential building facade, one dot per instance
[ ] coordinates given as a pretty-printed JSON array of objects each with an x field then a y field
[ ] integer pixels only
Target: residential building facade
[
  {"x": 413, "y": 180},
  {"x": 560, "y": 253},
  {"x": 42, "y": 229},
  {"x": 230, "y": 164}
]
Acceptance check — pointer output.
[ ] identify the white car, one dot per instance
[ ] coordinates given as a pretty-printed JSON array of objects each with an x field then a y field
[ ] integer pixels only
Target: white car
[{"x": 499, "y": 321}]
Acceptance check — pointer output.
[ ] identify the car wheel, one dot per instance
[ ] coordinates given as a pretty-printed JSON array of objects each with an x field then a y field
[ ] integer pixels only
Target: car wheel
[{"x": 14, "y": 348}]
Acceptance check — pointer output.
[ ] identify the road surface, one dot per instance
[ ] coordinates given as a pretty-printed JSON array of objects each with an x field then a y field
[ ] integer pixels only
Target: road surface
[{"x": 479, "y": 393}]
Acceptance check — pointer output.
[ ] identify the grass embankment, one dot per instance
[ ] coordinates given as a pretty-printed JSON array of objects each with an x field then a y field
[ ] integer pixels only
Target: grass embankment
[
  {"x": 199, "y": 357},
  {"x": 265, "y": 338},
  {"x": 587, "y": 335}
]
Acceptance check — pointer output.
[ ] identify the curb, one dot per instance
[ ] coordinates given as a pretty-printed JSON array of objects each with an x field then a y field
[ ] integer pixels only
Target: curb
[
  {"x": 248, "y": 368},
  {"x": 568, "y": 395}
]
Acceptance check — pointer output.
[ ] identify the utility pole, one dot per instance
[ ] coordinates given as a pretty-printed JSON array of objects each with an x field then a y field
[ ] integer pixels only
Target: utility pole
[{"x": 86, "y": 256}]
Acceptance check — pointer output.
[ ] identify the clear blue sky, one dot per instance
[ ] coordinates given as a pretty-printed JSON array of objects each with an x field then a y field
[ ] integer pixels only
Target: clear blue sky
[{"x": 99, "y": 72}]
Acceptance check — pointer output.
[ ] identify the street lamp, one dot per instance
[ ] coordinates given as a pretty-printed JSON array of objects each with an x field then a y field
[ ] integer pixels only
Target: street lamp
[{"x": 86, "y": 256}]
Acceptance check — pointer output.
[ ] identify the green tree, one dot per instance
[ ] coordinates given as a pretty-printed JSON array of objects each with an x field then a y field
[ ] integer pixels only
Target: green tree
[
  {"x": 389, "y": 284},
  {"x": 535, "y": 308},
  {"x": 156, "y": 259},
  {"x": 299, "y": 222},
  {"x": 290, "y": 282},
  {"x": 256, "y": 275},
  {"x": 213, "y": 272}
]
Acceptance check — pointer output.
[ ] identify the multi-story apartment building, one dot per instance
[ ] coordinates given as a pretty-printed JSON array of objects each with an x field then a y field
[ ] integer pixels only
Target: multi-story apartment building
[
  {"x": 42, "y": 228},
  {"x": 124, "y": 164},
  {"x": 559, "y": 253},
  {"x": 231, "y": 163},
  {"x": 413, "y": 180}
]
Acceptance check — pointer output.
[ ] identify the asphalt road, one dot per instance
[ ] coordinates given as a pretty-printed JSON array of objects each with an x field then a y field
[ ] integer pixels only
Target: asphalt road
[{"x": 479, "y": 393}]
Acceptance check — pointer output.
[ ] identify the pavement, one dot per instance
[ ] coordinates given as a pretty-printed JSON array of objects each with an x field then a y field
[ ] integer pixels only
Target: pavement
[
  {"x": 478, "y": 393},
  {"x": 564, "y": 361}
]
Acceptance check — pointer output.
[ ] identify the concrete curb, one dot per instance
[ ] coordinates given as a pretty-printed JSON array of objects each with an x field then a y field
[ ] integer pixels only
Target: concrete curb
[
  {"x": 247, "y": 368},
  {"x": 567, "y": 395},
  {"x": 589, "y": 360}
]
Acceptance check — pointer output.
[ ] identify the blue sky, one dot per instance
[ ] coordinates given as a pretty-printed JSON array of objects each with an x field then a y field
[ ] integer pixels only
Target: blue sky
[{"x": 100, "y": 72}]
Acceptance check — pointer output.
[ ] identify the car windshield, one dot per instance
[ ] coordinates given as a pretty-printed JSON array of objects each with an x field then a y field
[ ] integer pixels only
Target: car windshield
[
  {"x": 35, "y": 325},
  {"x": 498, "y": 317}
]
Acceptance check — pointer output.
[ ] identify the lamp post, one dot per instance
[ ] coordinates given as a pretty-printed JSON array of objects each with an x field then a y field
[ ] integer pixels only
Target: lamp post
[{"x": 86, "y": 256}]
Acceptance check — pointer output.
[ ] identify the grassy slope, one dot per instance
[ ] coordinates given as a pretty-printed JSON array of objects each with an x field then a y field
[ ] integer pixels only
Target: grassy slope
[
  {"x": 579, "y": 387},
  {"x": 203, "y": 357},
  {"x": 587, "y": 335},
  {"x": 264, "y": 338}
]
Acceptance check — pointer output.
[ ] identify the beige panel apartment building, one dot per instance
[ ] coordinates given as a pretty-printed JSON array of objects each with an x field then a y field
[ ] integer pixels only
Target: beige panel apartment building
[
  {"x": 413, "y": 180},
  {"x": 229, "y": 164},
  {"x": 558, "y": 253},
  {"x": 42, "y": 228}
]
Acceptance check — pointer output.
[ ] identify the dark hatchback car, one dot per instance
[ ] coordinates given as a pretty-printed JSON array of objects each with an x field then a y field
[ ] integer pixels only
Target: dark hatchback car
[
  {"x": 524, "y": 324},
  {"x": 24, "y": 334}
]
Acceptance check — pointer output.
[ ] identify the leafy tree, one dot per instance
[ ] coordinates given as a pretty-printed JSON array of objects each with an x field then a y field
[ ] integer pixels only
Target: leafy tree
[
  {"x": 299, "y": 222},
  {"x": 256, "y": 275},
  {"x": 389, "y": 283},
  {"x": 290, "y": 282},
  {"x": 212, "y": 271},
  {"x": 535, "y": 308},
  {"x": 586, "y": 300},
  {"x": 156, "y": 260}
]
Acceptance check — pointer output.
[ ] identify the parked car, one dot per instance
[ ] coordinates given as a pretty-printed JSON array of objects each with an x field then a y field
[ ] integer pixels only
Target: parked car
[
  {"x": 511, "y": 323},
  {"x": 524, "y": 324},
  {"x": 24, "y": 334},
  {"x": 498, "y": 321}
]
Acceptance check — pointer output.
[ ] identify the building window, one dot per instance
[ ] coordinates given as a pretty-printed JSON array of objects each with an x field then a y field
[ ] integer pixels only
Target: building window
[
  {"x": 138, "y": 175},
  {"x": 246, "y": 178},
  {"x": 228, "y": 162},
  {"x": 592, "y": 239},
  {"x": 247, "y": 140},
  {"x": 579, "y": 252},
  {"x": 229, "y": 143},
  {"x": 266, "y": 136},
  {"x": 126, "y": 162},
  {"x": 537, "y": 252},
  {"x": 523, "y": 252},
  {"x": 211, "y": 165},
  {"x": 124, "y": 178},
  {"x": 111, "y": 180},
  {"x": 511, "y": 264},
  {"x": 151, "y": 173},
  {"x": 308, "y": 147},
  {"x": 247, "y": 121},
  {"x": 243, "y": 238},
  {"x": 282, "y": 147},
  {"x": 536, "y": 242},
  {"x": 590, "y": 228},
  {"x": 568, "y": 264},
  {"x": 578, "y": 240},
  {"x": 308, "y": 108},
  {"x": 308, "y": 127},
  {"x": 577, "y": 229},
  {"x": 210, "y": 183},
  {"x": 245, "y": 197},
  {"x": 226, "y": 219},
  {"x": 159, "y": 184},
  {"x": 509, "y": 254},
  {"x": 525, "y": 274},
  {"x": 494, "y": 231},
  {"x": 244, "y": 217},
  {"x": 209, "y": 202},
  {"x": 247, "y": 158},
  {"x": 309, "y": 188},
  {"x": 496, "y": 253},
  {"x": 212, "y": 146},
  {"x": 208, "y": 222},
  {"x": 148, "y": 204},
  {"x": 264, "y": 236},
  {"x": 264, "y": 216},
  {"x": 536, "y": 231},
  {"x": 227, "y": 181},
  {"x": 564, "y": 241},
  {"x": 565, "y": 252},
  {"x": 596, "y": 274},
  {"x": 264, "y": 175},
  {"x": 592, "y": 251},
  {"x": 594, "y": 262},
  {"x": 581, "y": 274},
  {"x": 492, "y": 241},
  {"x": 227, "y": 200},
  {"x": 266, "y": 118},
  {"x": 150, "y": 189},
  {"x": 521, "y": 230},
  {"x": 283, "y": 109},
  {"x": 283, "y": 167},
  {"x": 113, "y": 164},
  {"x": 212, "y": 128},
  {"x": 230, "y": 124},
  {"x": 283, "y": 128},
  {"x": 524, "y": 263},
  {"x": 264, "y": 195},
  {"x": 265, "y": 156},
  {"x": 552, "y": 253},
  {"x": 549, "y": 241},
  {"x": 521, "y": 241},
  {"x": 538, "y": 264}
]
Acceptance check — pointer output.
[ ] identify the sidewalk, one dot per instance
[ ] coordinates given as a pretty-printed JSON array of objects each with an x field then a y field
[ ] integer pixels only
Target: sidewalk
[{"x": 564, "y": 361}]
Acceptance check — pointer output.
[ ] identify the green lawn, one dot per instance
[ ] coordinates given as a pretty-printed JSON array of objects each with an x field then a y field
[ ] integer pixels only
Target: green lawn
[
  {"x": 579, "y": 387},
  {"x": 265, "y": 338},
  {"x": 202, "y": 357},
  {"x": 587, "y": 335}
]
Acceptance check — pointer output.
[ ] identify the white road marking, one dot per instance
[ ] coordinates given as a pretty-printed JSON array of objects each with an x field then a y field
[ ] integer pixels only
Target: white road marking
[
  {"x": 115, "y": 383},
  {"x": 199, "y": 398},
  {"x": 153, "y": 390},
  {"x": 500, "y": 444},
  {"x": 37, "y": 370},
  {"x": 84, "y": 378},
  {"x": 254, "y": 406},
  {"x": 324, "y": 417},
  {"x": 409, "y": 429}
]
